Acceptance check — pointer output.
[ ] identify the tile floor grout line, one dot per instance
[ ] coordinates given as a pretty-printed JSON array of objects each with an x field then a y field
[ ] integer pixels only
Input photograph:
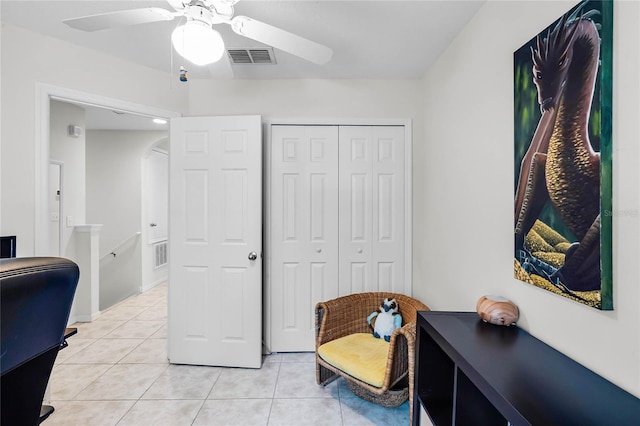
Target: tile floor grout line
[
  {"x": 269, "y": 414},
  {"x": 275, "y": 387},
  {"x": 206, "y": 398},
  {"x": 198, "y": 413},
  {"x": 125, "y": 414}
]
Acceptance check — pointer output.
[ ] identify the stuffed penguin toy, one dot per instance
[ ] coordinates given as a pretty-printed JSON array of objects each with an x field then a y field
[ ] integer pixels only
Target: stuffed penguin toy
[{"x": 387, "y": 320}]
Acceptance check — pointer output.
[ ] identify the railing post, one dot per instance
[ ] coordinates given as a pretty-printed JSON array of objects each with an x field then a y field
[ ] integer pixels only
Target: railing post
[{"x": 87, "y": 294}]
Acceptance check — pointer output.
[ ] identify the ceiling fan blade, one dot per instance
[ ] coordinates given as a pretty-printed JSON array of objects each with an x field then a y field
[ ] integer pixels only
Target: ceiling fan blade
[
  {"x": 281, "y": 39},
  {"x": 178, "y": 5},
  {"x": 121, "y": 18}
]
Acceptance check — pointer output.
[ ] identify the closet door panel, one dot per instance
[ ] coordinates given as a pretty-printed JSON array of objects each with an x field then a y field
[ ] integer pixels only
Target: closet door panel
[
  {"x": 304, "y": 229},
  {"x": 372, "y": 207},
  {"x": 388, "y": 242},
  {"x": 356, "y": 151}
]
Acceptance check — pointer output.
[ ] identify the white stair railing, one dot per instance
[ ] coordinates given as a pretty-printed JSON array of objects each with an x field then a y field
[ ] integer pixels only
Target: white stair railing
[{"x": 114, "y": 252}]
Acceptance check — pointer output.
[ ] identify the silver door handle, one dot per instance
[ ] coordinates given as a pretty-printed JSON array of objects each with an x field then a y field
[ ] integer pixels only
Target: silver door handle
[{"x": 253, "y": 255}]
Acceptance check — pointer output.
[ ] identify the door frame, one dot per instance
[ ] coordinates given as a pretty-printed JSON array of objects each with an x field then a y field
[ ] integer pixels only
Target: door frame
[
  {"x": 330, "y": 121},
  {"x": 147, "y": 244},
  {"x": 44, "y": 94},
  {"x": 60, "y": 165},
  {"x": 145, "y": 217}
]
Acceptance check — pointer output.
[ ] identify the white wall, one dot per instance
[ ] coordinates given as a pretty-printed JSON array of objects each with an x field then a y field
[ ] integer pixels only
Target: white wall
[
  {"x": 114, "y": 199},
  {"x": 463, "y": 194},
  {"x": 69, "y": 150},
  {"x": 29, "y": 58},
  {"x": 310, "y": 99}
]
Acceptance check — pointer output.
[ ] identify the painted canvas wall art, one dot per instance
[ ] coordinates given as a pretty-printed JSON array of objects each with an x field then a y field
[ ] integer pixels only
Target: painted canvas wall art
[{"x": 562, "y": 156}]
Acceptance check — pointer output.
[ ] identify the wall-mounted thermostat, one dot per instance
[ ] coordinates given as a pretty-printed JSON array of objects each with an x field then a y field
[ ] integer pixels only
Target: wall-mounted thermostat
[{"x": 75, "y": 131}]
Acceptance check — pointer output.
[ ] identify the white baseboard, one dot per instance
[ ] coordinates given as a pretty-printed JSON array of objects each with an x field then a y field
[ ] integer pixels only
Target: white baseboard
[
  {"x": 83, "y": 318},
  {"x": 153, "y": 284}
]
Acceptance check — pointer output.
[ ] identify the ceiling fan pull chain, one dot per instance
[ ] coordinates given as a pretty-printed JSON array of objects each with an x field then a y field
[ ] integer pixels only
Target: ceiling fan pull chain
[{"x": 183, "y": 75}]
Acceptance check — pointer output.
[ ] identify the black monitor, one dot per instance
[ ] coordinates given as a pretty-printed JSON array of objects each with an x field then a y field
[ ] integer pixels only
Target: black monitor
[{"x": 8, "y": 246}]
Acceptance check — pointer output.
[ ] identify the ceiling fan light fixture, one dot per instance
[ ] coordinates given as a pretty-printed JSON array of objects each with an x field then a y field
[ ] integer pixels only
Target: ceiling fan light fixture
[{"x": 198, "y": 43}]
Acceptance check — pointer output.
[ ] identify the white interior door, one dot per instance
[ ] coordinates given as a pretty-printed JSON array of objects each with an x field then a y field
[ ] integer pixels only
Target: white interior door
[
  {"x": 372, "y": 209},
  {"x": 157, "y": 182},
  {"x": 215, "y": 229},
  {"x": 304, "y": 232}
]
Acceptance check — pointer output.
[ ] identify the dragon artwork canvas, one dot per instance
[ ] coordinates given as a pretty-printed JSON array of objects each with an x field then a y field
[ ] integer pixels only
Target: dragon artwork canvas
[{"x": 562, "y": 141}]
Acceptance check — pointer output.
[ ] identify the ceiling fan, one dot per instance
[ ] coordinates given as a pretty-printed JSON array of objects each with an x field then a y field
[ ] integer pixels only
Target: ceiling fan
[{"x": 196, "y": 40}]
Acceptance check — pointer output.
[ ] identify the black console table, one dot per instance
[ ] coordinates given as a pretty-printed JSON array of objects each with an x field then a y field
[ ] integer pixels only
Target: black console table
[{"x": 468, "y": 372}]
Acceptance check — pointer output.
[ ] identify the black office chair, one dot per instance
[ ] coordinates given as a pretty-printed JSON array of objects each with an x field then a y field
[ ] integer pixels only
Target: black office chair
[{"x": 35, "y": 300}]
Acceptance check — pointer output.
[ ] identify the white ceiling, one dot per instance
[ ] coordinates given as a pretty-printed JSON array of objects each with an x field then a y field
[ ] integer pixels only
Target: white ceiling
[{"x": 370, "y": 39}]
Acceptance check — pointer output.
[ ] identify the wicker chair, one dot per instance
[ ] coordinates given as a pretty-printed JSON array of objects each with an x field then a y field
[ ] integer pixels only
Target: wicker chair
[{"x": 347, "y": 315}]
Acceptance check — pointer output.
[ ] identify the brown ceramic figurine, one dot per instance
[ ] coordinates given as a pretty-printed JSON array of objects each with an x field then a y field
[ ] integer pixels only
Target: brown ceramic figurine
[{"x": 497, "y": 310}]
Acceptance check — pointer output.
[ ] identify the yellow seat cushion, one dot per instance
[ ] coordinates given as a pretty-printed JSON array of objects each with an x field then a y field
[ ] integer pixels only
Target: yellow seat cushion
[{"x": 360, "y": 355}]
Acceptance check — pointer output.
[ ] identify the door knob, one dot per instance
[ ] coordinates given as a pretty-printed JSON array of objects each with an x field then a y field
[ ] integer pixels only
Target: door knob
[{"x": 253, "y": 255}]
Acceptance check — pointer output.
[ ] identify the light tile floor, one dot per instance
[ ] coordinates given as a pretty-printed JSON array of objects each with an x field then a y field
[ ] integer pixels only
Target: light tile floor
[{"x": 115, "y": 372}]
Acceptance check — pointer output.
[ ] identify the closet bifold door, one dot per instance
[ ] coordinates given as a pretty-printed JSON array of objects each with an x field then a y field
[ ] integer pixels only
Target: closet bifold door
[
  {"x": 372, "y": 209},
  {"x": 304, "y": 231}
]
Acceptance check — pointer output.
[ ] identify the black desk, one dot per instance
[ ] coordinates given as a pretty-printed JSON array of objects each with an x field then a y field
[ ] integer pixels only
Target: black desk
[
  {"x": 46, "y": 410},
  {"x": 472, "y": 373}
]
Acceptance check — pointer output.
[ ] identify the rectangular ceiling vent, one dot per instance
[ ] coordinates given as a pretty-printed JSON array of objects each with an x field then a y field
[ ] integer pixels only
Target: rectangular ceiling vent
[{"x": 252, "y": 56}]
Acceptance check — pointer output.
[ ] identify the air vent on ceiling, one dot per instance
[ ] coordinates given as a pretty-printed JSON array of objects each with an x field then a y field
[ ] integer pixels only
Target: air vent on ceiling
[{"x": 252, "y": 56}]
